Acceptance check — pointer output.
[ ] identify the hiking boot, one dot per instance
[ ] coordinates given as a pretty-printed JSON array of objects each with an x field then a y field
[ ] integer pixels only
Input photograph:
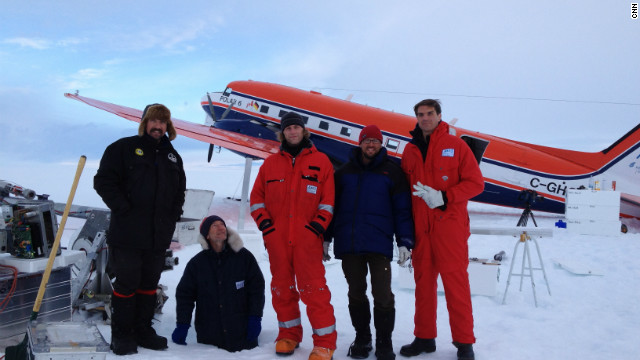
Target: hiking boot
[
  {"x": 465, "y": 351},
  {"x": 286, "y": 347},
  {"x": 124, "y": 346},
  {"x": 320, "y": 353},
  {"x": 418, "y": 346},
  {"x": 360, "y": 347},
  {"x": 384, "y": 349},
  {"x": 147, "y": 338}
]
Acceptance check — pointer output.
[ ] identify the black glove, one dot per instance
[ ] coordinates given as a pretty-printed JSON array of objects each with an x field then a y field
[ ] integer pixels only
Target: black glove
[
  {"x": 266, "y": 226},
  {"x": 315, "y": 227}
]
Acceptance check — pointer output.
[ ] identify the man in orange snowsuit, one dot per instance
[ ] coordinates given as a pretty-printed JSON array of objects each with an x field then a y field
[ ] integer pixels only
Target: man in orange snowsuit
[
  {"x": 292, "y": 204},
  {"x": 445, "y": 175}
]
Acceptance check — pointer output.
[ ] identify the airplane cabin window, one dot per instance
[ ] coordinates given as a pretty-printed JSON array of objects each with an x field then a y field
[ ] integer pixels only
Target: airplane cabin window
[
  {"x": 324, "y": 125},
  {"x": 305, "y": 119},
  {"x": 282, "y": 112},
  {"x": 345, "y": 131},
  {"x": 264, "y": 109},
  {"x": 392, "y": 144}
]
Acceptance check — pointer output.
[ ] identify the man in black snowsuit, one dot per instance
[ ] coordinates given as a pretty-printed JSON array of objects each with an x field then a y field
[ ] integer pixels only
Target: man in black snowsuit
[
  {"x": 226, "y": 285},
  {"x": 142, "y": 180}
]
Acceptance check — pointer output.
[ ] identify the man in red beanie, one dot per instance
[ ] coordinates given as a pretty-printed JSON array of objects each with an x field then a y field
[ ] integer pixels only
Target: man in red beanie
[
  {"x": 226, "y": 285},
  {"x": 445, "y": 175},
  {"x": 373, "y": 203},
  {"x": 292, "y": 204}
]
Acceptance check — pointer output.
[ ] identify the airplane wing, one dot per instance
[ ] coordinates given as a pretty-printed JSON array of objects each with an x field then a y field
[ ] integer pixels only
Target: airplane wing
[{"x": 257, "y": 147}]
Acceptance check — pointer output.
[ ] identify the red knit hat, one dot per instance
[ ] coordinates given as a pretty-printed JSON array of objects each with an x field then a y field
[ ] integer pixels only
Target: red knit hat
[{"x": 370, "y": 131}]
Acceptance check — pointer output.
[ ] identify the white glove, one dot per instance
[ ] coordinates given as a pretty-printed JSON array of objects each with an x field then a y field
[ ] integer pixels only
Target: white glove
[
  {"x": 403, "y": 255},
  {"x": 432, "y": 197},
  {"x": 325, "y": 251}
]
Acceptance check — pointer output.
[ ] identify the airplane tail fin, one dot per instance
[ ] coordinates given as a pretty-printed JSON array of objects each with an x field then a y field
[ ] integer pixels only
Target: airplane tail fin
[
  {"x": 599, "y": 161},
  {"x": 618, "y": 168},
  {"x": 630, "y": 138},
  {"x": 622, "y": 172},
  {"x": 618, "y": 164}
]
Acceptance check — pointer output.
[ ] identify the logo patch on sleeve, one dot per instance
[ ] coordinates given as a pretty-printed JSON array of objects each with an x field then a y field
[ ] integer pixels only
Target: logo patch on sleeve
[
  {"x": 312, "y": 189},
  {"x": 239, "y": 284},
  {"x": 447, "y": 153}
]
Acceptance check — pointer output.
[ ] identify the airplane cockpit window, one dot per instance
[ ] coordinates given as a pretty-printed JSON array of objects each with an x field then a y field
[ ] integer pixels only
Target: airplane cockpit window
[
  {"x": 392, "y": 144},
  {"x": 478, "y": 146},
  {"x": 227, "y": 91},
  {"x": 264, "y": 109},
  {"x": 324, "y": 125},
  {"x": 345, "y": 131}
]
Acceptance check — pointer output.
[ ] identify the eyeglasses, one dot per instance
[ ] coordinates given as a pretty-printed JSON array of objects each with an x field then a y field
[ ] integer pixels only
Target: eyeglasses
[{"x": 371, "y": 141}]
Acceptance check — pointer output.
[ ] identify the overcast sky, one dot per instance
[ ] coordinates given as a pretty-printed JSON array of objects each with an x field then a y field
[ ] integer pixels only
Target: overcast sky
[{"x": 560, "y": 73}]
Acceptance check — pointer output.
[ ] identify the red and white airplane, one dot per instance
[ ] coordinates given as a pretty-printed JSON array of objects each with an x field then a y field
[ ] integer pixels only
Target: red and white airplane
[{"x": 246, "y": 116}]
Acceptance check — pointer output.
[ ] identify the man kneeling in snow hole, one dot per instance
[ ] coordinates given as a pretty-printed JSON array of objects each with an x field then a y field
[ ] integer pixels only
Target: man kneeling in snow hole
[{"x": 226, "y": 285}]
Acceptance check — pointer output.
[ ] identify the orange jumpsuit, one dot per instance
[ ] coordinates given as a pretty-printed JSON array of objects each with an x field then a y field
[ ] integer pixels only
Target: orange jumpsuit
[
  {"x": 292, "y": 193},
  {"x": 441, "y": 236}
]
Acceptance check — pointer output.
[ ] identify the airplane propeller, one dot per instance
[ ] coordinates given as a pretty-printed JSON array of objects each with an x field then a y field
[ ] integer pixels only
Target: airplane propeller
[{"x": 213, "y": 116}]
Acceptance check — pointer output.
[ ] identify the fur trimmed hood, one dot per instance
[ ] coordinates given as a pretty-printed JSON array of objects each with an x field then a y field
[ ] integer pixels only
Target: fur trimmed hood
[{"x": 233, "y": 240}]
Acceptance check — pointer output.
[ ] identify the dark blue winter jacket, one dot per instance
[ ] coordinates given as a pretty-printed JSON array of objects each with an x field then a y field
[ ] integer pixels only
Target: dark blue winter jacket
[
  {"x": 226, "y": 288},
  {"x": 373, "y": 203}
]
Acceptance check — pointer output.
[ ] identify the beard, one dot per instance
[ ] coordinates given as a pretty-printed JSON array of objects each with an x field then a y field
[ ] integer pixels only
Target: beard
[{"x": 369, "y": 157}]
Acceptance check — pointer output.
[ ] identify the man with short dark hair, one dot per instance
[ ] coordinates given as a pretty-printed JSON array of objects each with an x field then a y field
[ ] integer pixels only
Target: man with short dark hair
[
  {"x": 142, "y": 181},
  {"x": 226, "y": 286},
  {"x": 373, "y": 203},
  {"x": 445, "y": 175},
  {"x": 292, "y": 204}
]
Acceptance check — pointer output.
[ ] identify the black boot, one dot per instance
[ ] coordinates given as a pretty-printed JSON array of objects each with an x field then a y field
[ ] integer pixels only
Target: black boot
[
  {"x": 123, "y": 340},
  {"x": 418, "y": 346},
  {"x": 384, "y": 321},
  {"x": 360, "y": 319},
  {"x": 145, "y": 334},
  {"x": 360, "y": 347},
  {"x": 465, "y": 351}
]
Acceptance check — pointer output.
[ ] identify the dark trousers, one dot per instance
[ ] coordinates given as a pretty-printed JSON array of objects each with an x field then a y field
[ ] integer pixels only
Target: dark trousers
[
  {"x": 356, "y": 268},
  {"x": 135, "y": 269}
]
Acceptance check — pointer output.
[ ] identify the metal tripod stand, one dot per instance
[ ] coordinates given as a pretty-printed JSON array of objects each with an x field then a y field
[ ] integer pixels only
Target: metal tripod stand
[
  {"x": 526, "y": 256},
  {"x": 524, "y": 218}
]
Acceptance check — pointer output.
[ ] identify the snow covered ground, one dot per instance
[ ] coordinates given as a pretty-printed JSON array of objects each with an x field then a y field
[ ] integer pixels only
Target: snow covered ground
[{"x": 585, "y": 317}]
